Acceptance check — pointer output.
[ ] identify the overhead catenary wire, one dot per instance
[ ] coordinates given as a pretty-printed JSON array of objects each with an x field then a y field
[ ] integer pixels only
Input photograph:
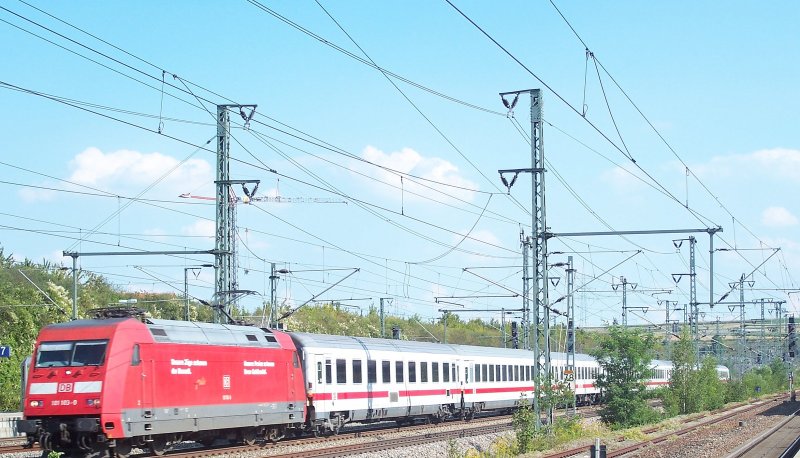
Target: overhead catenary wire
[{"x": 654, "y": 128}]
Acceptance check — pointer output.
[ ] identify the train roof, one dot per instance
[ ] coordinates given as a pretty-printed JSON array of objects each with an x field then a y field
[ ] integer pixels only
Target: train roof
[
  {"x": 327, "y": 341},
  {"x": 197, "y": 332}
]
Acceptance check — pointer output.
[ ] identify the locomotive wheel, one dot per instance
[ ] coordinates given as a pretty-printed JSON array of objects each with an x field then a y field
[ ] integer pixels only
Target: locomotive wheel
[
  {"x": 123, "y": 449},
  {"x": 95, "y": 451},
  {"x": 274, "y": 435},
  {"x": 249, "y": 436},
  {"x": 158, "y": 446}
]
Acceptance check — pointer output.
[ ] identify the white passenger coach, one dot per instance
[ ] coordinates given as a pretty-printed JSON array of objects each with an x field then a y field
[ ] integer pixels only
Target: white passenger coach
[{"x": 362, "y": 379}]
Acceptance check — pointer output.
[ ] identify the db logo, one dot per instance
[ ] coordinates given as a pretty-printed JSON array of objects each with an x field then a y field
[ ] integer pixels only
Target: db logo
[{"x": 65, "y": 388}]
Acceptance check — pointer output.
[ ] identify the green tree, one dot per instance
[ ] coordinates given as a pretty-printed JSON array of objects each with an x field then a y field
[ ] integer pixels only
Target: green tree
[
  {"x": 682, "y": 396},
  {"x": 624, "y": 356},
  {"x": 710, "y": 387}
]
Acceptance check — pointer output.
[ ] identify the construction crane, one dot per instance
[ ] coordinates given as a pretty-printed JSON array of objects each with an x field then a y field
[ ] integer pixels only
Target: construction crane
[
  {"x": 250, "y": 197},
  {"x": 275, "y": 199}
]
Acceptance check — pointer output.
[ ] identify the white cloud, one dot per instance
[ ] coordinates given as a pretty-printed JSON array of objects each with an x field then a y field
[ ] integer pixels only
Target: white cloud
[
  {"x": 778, "y": 217},
  {"x": 621, "y": 179},
  {"x": 774, "y": 162},
  {"x": 487, "y": 237},
  {"x": 413, "y": 163},
  {"x": 93, "y": 167},
  {"x": 202, "y": 228},
  {"x": 33, "y": 195}
]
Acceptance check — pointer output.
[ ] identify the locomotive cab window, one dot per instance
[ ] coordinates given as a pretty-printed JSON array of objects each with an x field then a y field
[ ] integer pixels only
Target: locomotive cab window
[{"x": 74, "y": 354}]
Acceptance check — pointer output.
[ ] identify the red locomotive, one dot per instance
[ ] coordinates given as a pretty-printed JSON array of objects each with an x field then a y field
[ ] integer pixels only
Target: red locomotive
[{"x": 108, "y": 385}]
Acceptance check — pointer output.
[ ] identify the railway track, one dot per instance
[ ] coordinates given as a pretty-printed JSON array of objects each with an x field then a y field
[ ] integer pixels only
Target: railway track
[
  {"x": 337, "y": 449},
  {"x": 341, "y": 444},
  {"x": 732, "y": 411},
  {"x": 9, "y": 449},
  {"x": 783, "y": 440}
]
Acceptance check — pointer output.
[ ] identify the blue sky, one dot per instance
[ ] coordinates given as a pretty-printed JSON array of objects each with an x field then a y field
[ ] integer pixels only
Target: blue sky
[{"x": 716, "y": 80}]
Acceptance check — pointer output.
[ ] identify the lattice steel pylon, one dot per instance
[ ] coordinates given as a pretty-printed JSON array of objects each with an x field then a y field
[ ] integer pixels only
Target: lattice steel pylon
[
  {"x": 540, "y": 311},
  {"x": 225, "y": 267}
]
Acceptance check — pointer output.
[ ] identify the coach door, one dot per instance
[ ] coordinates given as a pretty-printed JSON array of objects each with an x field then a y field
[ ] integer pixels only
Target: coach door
[
  {"x": 143, "y": 365},
  {"x": 323, "y": 392},
  {"x": 466, "y": 377}
]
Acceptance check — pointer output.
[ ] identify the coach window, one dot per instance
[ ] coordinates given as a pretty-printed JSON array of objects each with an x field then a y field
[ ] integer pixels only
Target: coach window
[
  {"x": 497, "y": 373},
  {"x": 435, "y": 372},
  {"x": 491, "y": 372},
  {"x": 527, "y": 373},
  {"x": 386, "y": 368},
  {"x": 446, "y": 372},
  {"x": 136, "y": 359},
  {"x": 341, "y": 371},
  {"x": 328, "y": 371},
  {"x": 319, "y": 371},
  {"x": 412, "y": 372},
  {"x": 423, "y": 369},
  {"x": 372, "y": 371},
  {"x": 477, "y": 372},
  {"x": 357, "y": 374},
  {"x": 485, "y": 372},
  {"x": 504, "y": 373},
  {"x": 455, "y": 379},
  {"x": 516, "y": 373},
  {"x": 398, "y": 370}
]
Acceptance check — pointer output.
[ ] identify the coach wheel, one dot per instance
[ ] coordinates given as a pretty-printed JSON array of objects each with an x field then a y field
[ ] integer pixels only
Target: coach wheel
[
  {"x": 249, "y": 436},
  {"x": 122, "y": 449},
  {"x": 158, "y": 446}
]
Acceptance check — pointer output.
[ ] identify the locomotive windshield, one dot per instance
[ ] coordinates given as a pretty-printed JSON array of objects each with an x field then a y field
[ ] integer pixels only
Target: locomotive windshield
[{"x": 71, "y": 354}]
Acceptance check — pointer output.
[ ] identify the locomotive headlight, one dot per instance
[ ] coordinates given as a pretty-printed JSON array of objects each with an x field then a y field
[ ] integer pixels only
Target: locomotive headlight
[
  {"x": 36, "y": 403},
  {"x": 93, "y": 403}
]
